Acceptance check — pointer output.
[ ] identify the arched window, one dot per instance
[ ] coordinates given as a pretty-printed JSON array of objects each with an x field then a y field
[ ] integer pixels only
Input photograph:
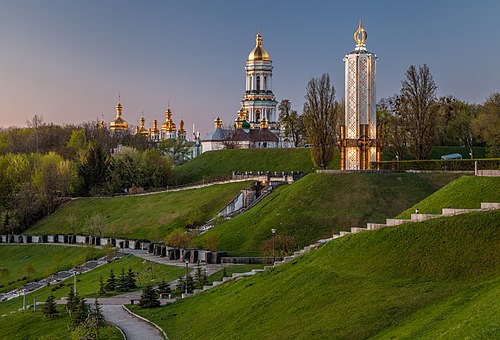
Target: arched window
[
  {"x": 265, "y": 83},
  {"x": 257, "y": 115},
  {"x": 258, "y": 83}
]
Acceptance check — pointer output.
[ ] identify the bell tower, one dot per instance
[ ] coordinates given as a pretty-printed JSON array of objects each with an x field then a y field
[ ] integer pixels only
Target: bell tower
[
  {"x": 259, "y": 101},
  {"x": 359, "y": 137}
]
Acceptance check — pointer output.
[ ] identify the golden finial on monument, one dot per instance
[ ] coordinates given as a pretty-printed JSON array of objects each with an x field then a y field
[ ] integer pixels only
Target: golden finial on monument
[{"x": 360, "y": 35}]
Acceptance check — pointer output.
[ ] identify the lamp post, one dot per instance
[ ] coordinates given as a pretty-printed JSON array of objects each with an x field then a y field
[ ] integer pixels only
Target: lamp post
[
  {"x": 74, "y": 280},
  {"x": 274, "y": 236},
  {"x": 186, "y": 282}
]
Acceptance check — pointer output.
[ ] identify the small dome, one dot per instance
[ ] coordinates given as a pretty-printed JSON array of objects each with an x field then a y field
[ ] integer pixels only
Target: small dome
[{"x": 258, "y": 53}]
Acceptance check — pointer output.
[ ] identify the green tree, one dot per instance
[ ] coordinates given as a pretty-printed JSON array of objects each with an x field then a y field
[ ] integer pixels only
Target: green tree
[
  {"x": 418, "y": 108},
  {"x": 178, "y": 149},
  {"x": 149, "y": 297},
  {"x": 102, "y": 288},
  {"x": 94, "y": 167},
  {"x": 49, "y": 309},
  {"x": 320, "y": 119},
  {"x": 122, "y": 282},
  {"x": 182, "y": 282},
  {"x": 200, "y": 277},
  {"x": 80, "y": 312},
  {"x": 164, "y": 287},
  {"x": 111, "y": 282},
  {"x": 487, "y": 124},
  {"x": 72, "y": 301},
  {"x": 131, "y": 279}
]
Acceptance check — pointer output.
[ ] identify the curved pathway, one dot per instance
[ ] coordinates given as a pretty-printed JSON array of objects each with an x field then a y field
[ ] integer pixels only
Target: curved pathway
[{"x": 133, "y": 327}]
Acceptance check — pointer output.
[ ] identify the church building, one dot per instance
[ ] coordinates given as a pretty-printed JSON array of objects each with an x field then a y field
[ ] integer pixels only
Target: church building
[{"x": 256, "y": 125}]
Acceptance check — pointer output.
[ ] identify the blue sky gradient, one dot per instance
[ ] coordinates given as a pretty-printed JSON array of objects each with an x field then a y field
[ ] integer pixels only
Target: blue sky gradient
[{"x": 68, "y": 60}]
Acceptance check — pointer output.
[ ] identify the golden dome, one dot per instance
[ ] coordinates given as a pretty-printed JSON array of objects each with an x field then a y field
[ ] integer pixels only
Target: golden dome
[
  {"x": 258, "y": 53},
  {"x": 182, "y": 130},
  {"x": 218, "y": 123},
  {"x": 119, "y": 123}
]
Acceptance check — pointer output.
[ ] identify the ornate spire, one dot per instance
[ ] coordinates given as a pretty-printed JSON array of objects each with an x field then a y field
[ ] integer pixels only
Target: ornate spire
[
  {"x": 119, "y": 107},
  {"x": 218, "y": 123},
  {"x": 360, "y": 35}
]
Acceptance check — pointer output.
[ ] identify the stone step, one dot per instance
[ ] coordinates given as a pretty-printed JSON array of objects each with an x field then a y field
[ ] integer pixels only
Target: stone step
[
  {"x": 196, "y": 291},
  {"x": 343, "y": 233},
  {"x": 375, "y": 226},
  {"x": 451, "y": 212},
  {"x": 298, "y": 253},
  {"x": 216, "y": 283},
  {"x": 395, "y": 221},
  {"x": 257, "y": 270},
  {"x": 423, "y": 217},
  {"x": 267, "y": 267},
  {"x": 288, "y": 258},
  {"x": 235, "y": 275},
  {"x": 355, "y": 230},
  {"x": 490, "y": 205},
  {"x": 207, "y": 287},
  {"x": 226, "y": 279}
]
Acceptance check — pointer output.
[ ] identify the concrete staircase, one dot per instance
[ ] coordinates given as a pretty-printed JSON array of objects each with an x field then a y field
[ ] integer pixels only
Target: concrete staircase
[{"x": 354, "y": 230}]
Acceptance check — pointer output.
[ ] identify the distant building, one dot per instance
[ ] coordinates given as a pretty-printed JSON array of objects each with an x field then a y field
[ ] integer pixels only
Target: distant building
[
  {"x": 119, "y": 124},
  {"x": 256, "y": 125},
  {"x": 359, "y": 137}
]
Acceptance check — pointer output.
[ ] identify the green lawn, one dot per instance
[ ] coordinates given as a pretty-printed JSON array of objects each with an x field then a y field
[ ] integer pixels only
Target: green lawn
[
  {"x": 465, "y": 192},
  {"x": 32, "y": 325},
  {"x": 221, "y": 163},
  {"x": 39, "y": 261},
  {"x": 435, "y": 279},
  {"x": 88, "y": 283},
  {"x": 142, "y": 217},
  {"x": 322, "y": 204}
]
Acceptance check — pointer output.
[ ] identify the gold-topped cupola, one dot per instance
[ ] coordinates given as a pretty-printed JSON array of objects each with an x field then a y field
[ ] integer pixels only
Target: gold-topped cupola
[{"x": 258, "y": 53}]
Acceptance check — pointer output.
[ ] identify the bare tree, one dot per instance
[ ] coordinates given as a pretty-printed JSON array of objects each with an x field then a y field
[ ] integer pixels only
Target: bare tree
[
  {"x": 418, "y": 108},
  {"x": 320, "y": 119}
]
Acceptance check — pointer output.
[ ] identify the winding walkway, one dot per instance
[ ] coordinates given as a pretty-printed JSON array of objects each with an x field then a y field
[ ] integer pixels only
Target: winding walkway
[{"x": 133, "y": 327}]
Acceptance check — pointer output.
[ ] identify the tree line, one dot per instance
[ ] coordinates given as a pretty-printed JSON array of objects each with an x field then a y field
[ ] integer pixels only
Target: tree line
[
  {"x": 43, "y": 165},
  {"x": 413, "y": 120}
]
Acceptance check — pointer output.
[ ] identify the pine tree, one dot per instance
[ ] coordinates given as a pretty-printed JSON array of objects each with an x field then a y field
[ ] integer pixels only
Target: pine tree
[
  {"x": 149, "y": 297},
  {"x": 181, "y": 284},
  {"x": 49, "y": 310},
  {"x": 111, "y": 283},
  {"x": 200, "y": 277},
  {"x": 71, "y": 300},
  {"x": 102, "y": 288},
  {"x": 131, "y": 279},
  {"x": 97, "y": 314},
  {"x": 80, "y": 312},
  {"x": 122, "y": 282},
  {"x": 164, "y": 287}
]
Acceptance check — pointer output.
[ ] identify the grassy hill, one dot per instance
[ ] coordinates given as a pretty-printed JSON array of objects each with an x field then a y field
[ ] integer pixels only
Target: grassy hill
[
  {"x": 465, "y": 192},
  {"x": 419, "y": 280},
  {"x": 141, "y": 217},
  {"x": 221, "y": 163},
  {"x": 39, "y": 261},
  {"x": 321, "y": 204}
]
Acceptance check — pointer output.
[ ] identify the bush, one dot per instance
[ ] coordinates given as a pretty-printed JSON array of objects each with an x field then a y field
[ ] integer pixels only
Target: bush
[{"x": 439, "y": 165}]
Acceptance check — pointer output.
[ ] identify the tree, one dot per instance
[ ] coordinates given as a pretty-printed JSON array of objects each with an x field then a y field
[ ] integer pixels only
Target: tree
[
  {"x": 283, "y": 245},
  {"x": 72, "y": 301},
  {"x": 320, "y": 119},
  {"x": 131, "y": 279},
  {"x": 179, "y": 238},
  {"x": 181, "y": 284},
  {"x": 80, "y": 312},
  {"x": 102, "y": 288},
  {"x": 487, "y": 124},
  {"x": 111, "y": 282},
  {"x": 200, "y": 277},
  {"x": 418, "y": 108},
  {"x": 291, "y": 123},
  {"x": 94, "y": 167},
  {"x": 49, "y": 309},
  {"x": 149, "y": 297},
  {"x": 393, "y": 128},
  {"x": 29, "y": 270},
  {"x": 96, "y": 224},
  {"x": 178, "y": 149},
  {"x": 164, "y": 287},
  {"x": 122, "y": 282}
]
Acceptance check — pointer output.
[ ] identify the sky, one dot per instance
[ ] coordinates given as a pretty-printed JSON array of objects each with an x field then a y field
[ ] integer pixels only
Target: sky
[{"x": 69, "y": 60}]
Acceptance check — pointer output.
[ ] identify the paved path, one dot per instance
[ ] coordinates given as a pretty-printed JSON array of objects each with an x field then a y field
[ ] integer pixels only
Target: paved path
[{"x": 133, "y": 327}]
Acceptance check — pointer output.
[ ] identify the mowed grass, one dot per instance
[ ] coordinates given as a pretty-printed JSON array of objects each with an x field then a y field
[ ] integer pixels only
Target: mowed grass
[
  {"x": 417, "y": 280},
  {"x": 142, "y": 217},
  {"x": 466, "y": 192},
  {"x": 319, "y": 205},
  {"x": 33, "y": 325},
  {"x": 88, "y": 283},
  {"x": 39, "y": 261},
  {"x": 221, "y": 163}
]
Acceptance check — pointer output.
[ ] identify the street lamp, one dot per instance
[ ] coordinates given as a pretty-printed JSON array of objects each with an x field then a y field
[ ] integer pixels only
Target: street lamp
[
  {"x": 274, "y": 236},
  {"x": 186, "y": 283}
]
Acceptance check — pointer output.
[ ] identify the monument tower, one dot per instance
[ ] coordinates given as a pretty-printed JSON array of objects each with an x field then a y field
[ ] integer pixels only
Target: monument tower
[{"x": 359, "y": 137}]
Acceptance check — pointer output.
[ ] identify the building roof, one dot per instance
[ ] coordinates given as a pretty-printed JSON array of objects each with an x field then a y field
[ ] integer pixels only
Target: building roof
[
  {"x": 263, "y": 135},
  {"x": 216, "y": 135}
]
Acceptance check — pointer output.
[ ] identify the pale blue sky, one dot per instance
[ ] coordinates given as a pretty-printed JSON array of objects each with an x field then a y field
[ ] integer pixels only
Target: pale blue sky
[{"x": 68, "y": 60}]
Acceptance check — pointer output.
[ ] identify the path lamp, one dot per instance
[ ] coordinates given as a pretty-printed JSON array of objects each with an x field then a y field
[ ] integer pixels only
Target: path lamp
[
  {"x": 24, "y": 299},
  {"x": 74, "y": 280},
  {"x": 274, "y": 236},
  {"x": 186, "y": 283}
]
